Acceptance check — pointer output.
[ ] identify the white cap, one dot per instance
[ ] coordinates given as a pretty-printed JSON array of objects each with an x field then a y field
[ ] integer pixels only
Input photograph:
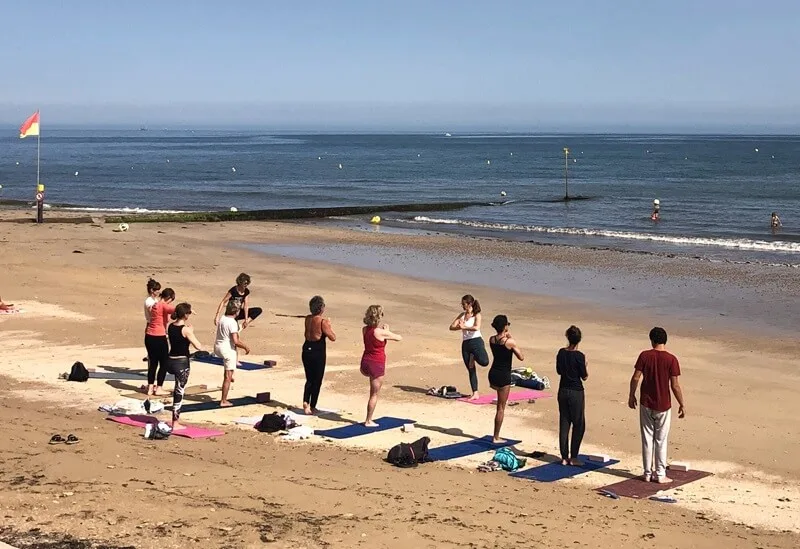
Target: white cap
[{"x": 656, "y": 201}]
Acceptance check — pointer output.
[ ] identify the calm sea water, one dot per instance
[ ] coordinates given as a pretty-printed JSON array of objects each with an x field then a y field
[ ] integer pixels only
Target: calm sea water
[{"x": 716, "y": 192}]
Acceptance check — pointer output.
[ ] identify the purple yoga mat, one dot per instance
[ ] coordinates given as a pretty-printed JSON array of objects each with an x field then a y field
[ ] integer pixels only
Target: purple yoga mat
[
  {"x": 639, "y": 489},
  {"x": 513, "y": 396},
  {"x": 188, "y": 431}
]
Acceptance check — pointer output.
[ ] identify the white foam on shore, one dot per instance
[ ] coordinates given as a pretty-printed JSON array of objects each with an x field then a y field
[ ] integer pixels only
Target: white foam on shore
[
  {"x": 728, "y": 243},
  {"x": 124, "y": 210}
]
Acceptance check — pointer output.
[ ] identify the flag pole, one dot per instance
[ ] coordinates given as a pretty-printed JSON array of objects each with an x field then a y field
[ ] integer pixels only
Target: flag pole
[{"x": 39, "y": 186}]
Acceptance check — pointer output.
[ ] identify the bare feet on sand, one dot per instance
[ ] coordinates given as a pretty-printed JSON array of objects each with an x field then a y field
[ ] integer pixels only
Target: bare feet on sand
[
  {"x": 225, "y": 404},
  {"x": 370, "y": 424}
]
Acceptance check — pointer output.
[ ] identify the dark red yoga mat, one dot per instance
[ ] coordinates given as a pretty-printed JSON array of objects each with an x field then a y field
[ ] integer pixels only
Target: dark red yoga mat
[{"x": 637, "y": 488}]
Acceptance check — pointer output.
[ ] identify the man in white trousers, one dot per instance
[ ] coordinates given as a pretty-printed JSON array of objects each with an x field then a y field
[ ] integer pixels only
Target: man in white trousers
[{"x": 658, "y": 370}]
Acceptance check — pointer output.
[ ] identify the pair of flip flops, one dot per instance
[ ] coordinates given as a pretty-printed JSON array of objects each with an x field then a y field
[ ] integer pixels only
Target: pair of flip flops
[{"x": 58, "y": 439}]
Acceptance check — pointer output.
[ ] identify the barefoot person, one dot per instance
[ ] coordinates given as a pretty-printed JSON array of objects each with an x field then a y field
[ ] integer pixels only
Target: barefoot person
[
  {"x": 504, "y": 349},
  {"x": 240, "y": 294},
  {"x": 153, "y": 289},
  {"x": 155, "y": 341},
  {"x": 225, "y": 345},
  {"x": 571, "y": 366},
  {"x": 658, "y": 370},
  {"x": 180, "y": 335},
  {"x": 317, "y": 329},
  {"x": 373, "y": 361},
  {"x": 472, "y": 348}
]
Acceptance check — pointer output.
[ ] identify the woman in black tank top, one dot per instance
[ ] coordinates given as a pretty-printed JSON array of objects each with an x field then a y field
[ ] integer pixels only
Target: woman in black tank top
[
  {"x": 313, "y": 355},
  {"x": 504, "y": 349},
  {"x": 180, "y": 335}
]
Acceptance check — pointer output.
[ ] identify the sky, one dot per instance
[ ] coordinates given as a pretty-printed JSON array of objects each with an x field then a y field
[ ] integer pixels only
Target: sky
[{"x": 428, "y": 65}]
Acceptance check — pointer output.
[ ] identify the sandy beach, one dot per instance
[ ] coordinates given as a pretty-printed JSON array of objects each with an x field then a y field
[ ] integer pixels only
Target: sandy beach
[{"x": 81, "y": 287}]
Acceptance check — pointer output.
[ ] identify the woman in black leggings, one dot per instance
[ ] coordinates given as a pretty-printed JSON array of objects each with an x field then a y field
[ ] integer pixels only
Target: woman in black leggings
[
  {"x": 180, "y": 335},
  {"x": 317, "y": 329}
]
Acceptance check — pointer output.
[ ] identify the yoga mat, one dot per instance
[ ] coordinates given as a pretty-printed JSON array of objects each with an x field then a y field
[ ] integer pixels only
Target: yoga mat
[
  {"x": 467, "y": 448},
  {"x": 214, "y": 404},
  {"x": 124, "y": 375},
  {"x": 637, "y": 488},
  {"x": 217, "y": 361},
  {"x": 357, "y": 429},
  {"x": 188, "y": 432},
  {"x": 513, "y": 396},
  {"x": 551, "y": 472}
]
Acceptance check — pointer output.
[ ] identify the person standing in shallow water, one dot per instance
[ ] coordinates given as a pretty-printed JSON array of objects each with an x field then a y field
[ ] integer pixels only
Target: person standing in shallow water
[
  {"x": 373, "y": 360},
  {"x": 317, "y": 329},
  {"x": 571, "y": 366},
  {"x": 472, "y": 348},
  {"x": 504, "y": 349}
]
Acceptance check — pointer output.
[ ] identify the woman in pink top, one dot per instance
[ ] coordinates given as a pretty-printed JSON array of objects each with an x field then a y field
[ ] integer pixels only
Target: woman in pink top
[
  {"x": 373, "y": 361},
  {"x": 155, "y": 340}
]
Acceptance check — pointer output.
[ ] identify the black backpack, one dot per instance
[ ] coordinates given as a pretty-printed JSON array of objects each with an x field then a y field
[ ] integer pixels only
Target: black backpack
[
  {"x": 78, "y": 372},
  {"x": 409, "y": 455},
  {"x": 271, "y": 423}
]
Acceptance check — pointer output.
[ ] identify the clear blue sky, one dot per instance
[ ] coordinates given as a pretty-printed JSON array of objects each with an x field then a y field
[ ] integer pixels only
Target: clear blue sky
[{"x": 404, "y": 64}]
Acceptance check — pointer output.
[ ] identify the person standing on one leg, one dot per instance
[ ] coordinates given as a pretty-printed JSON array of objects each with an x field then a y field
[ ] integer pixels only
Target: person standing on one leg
[
  {"x": 472, "y": 348},
  {"x": 225, "y": 345},
  {"x": 181, "y": 335},
  {"x": 571, "y": 366},
  {"x": 504, "y": 349},
  {"x": 658, "y": 370},
  {"x": 240, "y": 294},
  {"x": 317, "y": 329},
  {"x": 373, "y": 361}
]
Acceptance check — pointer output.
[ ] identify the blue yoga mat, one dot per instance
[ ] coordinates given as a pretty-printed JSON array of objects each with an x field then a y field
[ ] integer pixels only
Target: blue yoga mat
[
  {"x": 552, "y": 472},
  {"x": 467, "y": 448},
  {"x": 214, "y": 404},
  {"x": 358, "y": 429},
  {"x": 217, "y": 361}
]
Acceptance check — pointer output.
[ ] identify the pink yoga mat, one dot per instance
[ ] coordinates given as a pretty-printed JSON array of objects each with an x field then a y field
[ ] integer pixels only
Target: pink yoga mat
[
  {"x": 514, "y": 396},
  {"x": 188, "y": 431}
]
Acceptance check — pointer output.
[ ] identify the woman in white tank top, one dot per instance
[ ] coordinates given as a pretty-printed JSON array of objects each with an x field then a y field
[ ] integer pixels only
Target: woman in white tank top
[{"x": 473, "y": 349}]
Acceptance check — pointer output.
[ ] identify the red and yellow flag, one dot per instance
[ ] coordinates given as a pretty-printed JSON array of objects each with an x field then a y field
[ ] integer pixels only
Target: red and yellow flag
[{"x": 30, "y": 126}]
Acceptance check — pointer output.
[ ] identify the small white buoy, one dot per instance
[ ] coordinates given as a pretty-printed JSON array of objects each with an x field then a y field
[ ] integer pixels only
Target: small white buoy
[
  {"x": 340, "y": 166},
  {"x": 319, "y": 158},
  {"x": 417, "y": 155},
  {"x": 17, "y": 163},
  {"x": 167, "y": 160},
  {"x": 773, "y": 156},
  {"x": 76, "y": 174},
  {"x": 488, "y": 162},
  {"x": 233, "y": 170},
  {"x": 756, "y": 150},
  {"x": 1, "y": 186},
  {"x": 502, "y": 193},
  {"x": 512, "y": 154},
  {"x": 234, "y": 209},
  {"x": 574, "y": 160}
]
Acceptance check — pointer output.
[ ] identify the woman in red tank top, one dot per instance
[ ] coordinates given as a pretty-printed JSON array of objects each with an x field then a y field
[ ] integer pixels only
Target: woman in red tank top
[{"x": 373, "y": 361}]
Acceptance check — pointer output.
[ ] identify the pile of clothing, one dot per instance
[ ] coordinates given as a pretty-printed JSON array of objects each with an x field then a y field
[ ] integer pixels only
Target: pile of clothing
[
  {"x": 504, "y": 460},
  {"x": 525, "y": 377}
]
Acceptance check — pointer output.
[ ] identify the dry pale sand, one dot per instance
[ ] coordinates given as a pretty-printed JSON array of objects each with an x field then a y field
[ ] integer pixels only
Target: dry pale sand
[{"x": 246, "y": 488}]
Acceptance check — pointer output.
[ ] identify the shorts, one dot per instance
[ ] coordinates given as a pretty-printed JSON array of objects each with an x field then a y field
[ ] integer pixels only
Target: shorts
[
  {"x": 228, "y": 357},
  {"x": 372, "y": 368},
  {"x": 499, "y": 378}
]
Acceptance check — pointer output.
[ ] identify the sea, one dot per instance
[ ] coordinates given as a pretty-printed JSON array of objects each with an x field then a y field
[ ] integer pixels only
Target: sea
[{"x": 716, "y": 192}]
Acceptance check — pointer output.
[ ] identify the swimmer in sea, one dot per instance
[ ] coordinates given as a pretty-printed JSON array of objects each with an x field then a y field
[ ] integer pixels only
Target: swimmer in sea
[
  {"x": 775, "y": 222},
  {"x": 655, "y": 216}
]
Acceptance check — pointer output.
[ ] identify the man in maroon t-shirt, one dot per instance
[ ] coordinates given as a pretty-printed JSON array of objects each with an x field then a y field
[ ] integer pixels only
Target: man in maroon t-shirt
[{"x": 658, "y": 371}]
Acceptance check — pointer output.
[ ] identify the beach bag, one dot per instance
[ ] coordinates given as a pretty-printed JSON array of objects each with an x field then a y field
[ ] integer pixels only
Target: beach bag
[
  {"x": 78, "y": 372},
  {"x": 271, "y": 423},
  {"x": 507, "y": 459},
  {"x": 409, "y": 455}
]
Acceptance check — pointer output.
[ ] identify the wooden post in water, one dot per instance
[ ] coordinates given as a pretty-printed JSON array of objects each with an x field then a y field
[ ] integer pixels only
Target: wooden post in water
[{"x": 566, "y": 173}]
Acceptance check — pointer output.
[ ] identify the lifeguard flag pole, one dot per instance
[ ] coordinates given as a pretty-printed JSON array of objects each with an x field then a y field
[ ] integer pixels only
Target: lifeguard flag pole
[{"x": 30, "y": 128}]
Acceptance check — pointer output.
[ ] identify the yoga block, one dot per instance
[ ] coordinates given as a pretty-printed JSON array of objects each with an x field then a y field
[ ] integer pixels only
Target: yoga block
[
  {"x": 408, "y": 427},
  {"x": 270, "y": 363},
  {"x": 599, "y": 458},
  {"x": 263, "y": 397},
  {"x": 679, "y": 466}
]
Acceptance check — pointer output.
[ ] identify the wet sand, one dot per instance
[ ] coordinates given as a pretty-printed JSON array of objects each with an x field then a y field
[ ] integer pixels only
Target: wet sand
[{"x": 246, "y": 488}]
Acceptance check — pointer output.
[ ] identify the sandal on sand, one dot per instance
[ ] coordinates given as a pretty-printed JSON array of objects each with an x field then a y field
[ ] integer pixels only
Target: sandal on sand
[
  {"x": 57, "y": 439},
  {"x": 72, "y": 439}
]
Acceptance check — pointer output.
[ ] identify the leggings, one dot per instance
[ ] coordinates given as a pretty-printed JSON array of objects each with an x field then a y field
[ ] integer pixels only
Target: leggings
[
  {"x": 571, "y": 412},
  {"x": 314, "y": 364},
  {"x": 474, "y": 348},
  {"x": 157, "y": 356},
  {"x": 252, "y": 312},
  {"x": 179, "y": 367}
]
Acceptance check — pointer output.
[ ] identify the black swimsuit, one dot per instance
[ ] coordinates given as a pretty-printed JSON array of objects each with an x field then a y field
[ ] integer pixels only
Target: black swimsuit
[{"x": 500, "y": 372}]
